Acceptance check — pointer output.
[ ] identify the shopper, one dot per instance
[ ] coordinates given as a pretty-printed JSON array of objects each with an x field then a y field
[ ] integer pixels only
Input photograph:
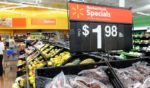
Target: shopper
[
  {"x": 12, "y": 45},
  {"x": 2, "y": 48}
]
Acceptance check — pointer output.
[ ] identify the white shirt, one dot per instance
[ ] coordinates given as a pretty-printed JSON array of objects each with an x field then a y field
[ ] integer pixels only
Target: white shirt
[
  {"x": 2, "y": 47},
  {"x": 11, "y": 43}
]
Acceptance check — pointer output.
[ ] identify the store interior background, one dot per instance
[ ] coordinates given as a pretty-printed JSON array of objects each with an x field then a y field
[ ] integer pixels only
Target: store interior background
[
  {"x": 57, "y": 10},
  {"x": 30, "y": 9}
]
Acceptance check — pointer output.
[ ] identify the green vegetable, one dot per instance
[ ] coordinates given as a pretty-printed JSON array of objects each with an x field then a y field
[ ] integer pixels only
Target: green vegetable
[{"x": 88, "y": 61}]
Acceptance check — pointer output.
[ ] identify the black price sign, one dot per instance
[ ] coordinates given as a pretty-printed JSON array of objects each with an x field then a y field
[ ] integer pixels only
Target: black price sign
[{"x": 93, "y": 35}]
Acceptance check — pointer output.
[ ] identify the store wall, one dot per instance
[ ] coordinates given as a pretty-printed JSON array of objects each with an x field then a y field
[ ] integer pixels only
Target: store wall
[
  {"x": 6, "y": 32},
  {"x": 35, "y": 18},
  {"x": 141, "y": 21}
]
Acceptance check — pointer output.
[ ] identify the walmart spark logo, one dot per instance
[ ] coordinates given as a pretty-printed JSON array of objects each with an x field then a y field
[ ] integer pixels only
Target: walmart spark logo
[{"x": 77, "y": 11}]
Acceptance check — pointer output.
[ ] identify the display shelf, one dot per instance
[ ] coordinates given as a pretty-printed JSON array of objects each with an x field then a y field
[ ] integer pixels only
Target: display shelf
[
  {"x": 141, "y": 41},
  {"x": 20, "y": 73},
  {"x": 142, "y": 44},
  {"x": 21, "y": 65},
  {"x": 143, "y": 37},
  {"x": 28, "y": 61}
]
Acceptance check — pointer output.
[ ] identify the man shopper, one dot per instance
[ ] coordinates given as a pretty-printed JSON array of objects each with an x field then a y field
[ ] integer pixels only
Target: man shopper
[{"x": 2, "y": 48}]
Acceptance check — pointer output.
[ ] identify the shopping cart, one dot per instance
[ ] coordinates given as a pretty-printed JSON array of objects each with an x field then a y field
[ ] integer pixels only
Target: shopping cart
[{"x": 10, "y": 60}]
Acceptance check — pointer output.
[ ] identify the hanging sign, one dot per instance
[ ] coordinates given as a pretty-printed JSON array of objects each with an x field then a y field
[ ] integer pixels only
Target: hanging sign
[
  {"x": 12, "y": 22},
  {"x": 94, "y": 28}
]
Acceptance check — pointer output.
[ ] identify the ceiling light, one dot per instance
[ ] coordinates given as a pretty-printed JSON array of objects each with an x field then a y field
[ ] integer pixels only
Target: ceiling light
[{"x": 144, "y": 14}]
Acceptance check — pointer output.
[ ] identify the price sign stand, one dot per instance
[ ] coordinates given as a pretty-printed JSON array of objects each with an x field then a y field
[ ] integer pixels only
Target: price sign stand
[
  {"x": 95, "y": 28},
  {"x": 99, "y": 28}
]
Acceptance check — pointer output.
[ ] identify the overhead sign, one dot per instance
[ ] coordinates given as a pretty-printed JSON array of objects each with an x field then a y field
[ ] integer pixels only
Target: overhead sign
[
  {"x": 94, "y": 28},
  {"x": 85, "y": 12},
  {"x": 12, "y": 22},
  {"x": 43, "y": 21}
]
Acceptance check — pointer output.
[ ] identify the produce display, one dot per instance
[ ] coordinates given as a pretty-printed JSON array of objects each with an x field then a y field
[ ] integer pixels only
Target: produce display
[
  {"x": 47, "y": 55},
  {"x": 58, "y": 60},
  {"x": 19, "y": 82},
  {"x": 122, "y": 55},
  {"x": 43, "y": 55},
  {"x": 136, "y": 76},
  {"x": 32, "y": 56},
  {"x": 32, "y": 66},
  {"x": 141, "y": 35},
  {"x": 141, "y": 41},
  {"x": 79, "y": 61},
  {"x": 44, "y": 47},
  {"x": 29, "y": 50},
  {"x": 32, "y": 81},
  {"x": 51, "y": 53},
  {"x": 21, "y": 64},
  {"x": 92, "y": 78},
  {"x": 36, "y": 63},
  {"x": 39, "y": 44}
]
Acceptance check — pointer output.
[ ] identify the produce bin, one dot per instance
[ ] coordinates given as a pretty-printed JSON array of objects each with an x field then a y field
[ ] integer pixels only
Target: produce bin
[
  {"x": 69, "y": 70},
  {"x": 83, "y": 57},
  {"x": 122, "y": 64}
]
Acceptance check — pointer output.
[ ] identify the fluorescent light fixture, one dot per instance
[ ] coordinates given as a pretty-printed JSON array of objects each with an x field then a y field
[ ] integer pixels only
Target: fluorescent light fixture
[
  {"x": 144, "y": 14},
  {"x": 19, "y": 5},
  {"x": 144, "y": 8},
  {"x": 148, "y": 29}
]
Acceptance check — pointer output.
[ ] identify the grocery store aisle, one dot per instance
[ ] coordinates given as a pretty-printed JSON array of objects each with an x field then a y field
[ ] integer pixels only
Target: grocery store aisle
[
  {"x": 7, "y": 80},
  {"x": 10, "y": 74}
]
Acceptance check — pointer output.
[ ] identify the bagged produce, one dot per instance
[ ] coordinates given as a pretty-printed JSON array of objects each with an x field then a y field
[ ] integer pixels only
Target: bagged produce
[
  {"x": 89, "y": 82},
  {"x": 146, "y": 83},
  {"x": 98, "y": 74},
  {"x": 60, "y": 81},
  {"x": 135, "y": 76},
  {"x": 143, "y": 68}
]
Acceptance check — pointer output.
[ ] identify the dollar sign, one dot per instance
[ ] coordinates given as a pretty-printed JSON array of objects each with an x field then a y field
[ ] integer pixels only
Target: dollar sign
[{"x": 85, "y": 30}]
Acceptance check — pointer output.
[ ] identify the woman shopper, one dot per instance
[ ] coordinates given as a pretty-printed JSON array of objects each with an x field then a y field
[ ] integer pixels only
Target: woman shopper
[
  {"x": 12, "y": 45},
  {"x": 2, "y": 48}
]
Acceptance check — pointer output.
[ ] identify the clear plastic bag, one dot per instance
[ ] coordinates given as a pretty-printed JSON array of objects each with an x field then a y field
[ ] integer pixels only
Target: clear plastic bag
[
  {"x": 130, "y": 77},
  {"x": 146, "y": 83},
  {"x": 60, "y": 81},
  {"x": 143, "y": 68},
  {"x": 98, "y": 74},
  {"x": 85, "y": 82}
]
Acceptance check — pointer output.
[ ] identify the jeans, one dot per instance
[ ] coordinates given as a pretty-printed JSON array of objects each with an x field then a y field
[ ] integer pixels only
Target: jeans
[{"x": 1, "y": 65}]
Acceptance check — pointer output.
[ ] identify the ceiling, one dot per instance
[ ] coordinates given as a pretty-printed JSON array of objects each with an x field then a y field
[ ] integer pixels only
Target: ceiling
[{"x": 139, "y": 7}]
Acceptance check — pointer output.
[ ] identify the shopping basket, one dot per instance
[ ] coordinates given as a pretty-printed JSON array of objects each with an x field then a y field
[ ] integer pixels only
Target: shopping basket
[{"x": 10, "y": 52}]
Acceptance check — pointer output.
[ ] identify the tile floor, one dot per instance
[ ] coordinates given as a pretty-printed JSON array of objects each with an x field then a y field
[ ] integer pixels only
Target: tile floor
[{"x": 9, "y": 76}]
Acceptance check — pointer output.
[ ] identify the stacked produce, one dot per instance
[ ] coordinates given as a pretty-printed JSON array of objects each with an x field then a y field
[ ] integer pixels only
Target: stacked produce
[
  {"x": 32, "y": 66},
  {"x": 19, "y": 82},
  {"x": 80, "y": 61},
  {"x": 51, "y": 53},
  {"x": 136, "y": 76},
  {"x": 39, "y": 44},
  {"x": 126, "y": 55},
  {"x": 44, "y": 47},
  {"x": 29, "y": 50},
  {"x": 32, "y": 56},
  {"x": 141, "y": 41},
  {"x": 21, "y": 65},
  {"x": 36, "y": 63},
  {"x": 58, "y": 60},
  {"x": 92, "y": 78},
  {"x": 141, "y": 35}
]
